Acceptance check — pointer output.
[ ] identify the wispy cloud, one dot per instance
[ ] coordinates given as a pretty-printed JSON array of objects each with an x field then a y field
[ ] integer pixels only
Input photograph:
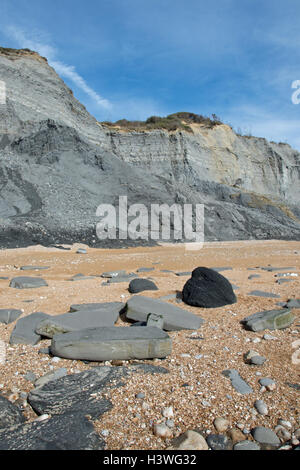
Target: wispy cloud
[{"x": 35, "y": 43}]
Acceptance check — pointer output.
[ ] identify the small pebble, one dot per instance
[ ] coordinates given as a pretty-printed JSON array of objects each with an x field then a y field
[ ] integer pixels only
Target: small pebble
[{"x": 261, "y": 407}]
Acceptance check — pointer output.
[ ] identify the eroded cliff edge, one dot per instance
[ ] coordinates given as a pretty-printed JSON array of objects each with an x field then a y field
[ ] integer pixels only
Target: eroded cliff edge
[{"x": 57, "y": 164}]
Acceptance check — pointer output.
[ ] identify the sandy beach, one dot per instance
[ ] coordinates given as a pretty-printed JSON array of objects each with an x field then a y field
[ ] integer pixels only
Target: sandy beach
[{"x": 194, "y": 387}]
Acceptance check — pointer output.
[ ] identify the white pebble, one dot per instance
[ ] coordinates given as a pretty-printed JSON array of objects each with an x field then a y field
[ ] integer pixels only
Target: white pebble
[{"x": 168, "y": 412}]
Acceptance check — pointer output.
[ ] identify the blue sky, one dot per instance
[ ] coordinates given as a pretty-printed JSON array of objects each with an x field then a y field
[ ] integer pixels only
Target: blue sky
[{"x": 136, "y": 58}]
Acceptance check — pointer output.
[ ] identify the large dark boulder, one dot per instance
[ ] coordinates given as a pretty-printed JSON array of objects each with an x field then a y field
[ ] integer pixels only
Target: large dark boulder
[{"x": 208, "y": 289}]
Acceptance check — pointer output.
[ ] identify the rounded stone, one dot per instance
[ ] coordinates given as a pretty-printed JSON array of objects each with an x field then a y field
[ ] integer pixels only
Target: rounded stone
[
  {"x": 261, "y": 407},
  {"x": 265, "y": 436},
  {"x": 162, "y": 431},
  {"x": 190, "y": 440},
  {"x": 246, "y": 445},
  {"x": 208, "y": 289},
  {"x": 219, "y": 442},
  {"x": 221, "y": 424}
]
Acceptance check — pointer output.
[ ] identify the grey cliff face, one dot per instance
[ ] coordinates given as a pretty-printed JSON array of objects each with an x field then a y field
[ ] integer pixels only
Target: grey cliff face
[{"x": 57, "y": 164}]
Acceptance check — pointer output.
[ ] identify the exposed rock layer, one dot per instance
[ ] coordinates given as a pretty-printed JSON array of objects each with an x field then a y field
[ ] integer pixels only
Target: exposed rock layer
[{"x": 58, "y": 164}]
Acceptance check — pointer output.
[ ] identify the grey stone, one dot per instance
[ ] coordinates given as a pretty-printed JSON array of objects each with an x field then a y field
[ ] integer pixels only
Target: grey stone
[
  {"x": 208, "y": 289},
  {"x": 118, "y": 279},
  {"x": 293, "y": 303},
  {"x": 282, "y": 281},
  {"x": 155, "y": 320},
  {"x": 140, "y": 285},
  {"x": 81, "y": 393},
  {"x": 111, "y": 274},
  {"x": 144, "y": 270},
  {"x": 265, "y": 436},
  {"x": 265, "y": 382},
  {"x": 246, "y": 445},
  {"x": 10, "y": 415},
  {"x": 269, "y": 319},
  {"x": 219, "y": 442},
  {"x": 33, "y": 268},
  {"x": 261, "y": 407},
  {"x": 24, "y": 282},
  {"x": 185, "y": 273},
  {"x": 257, "y": 360},
  {"x": 108, "y": 343},
  {"x": 81, "y": 277},
  {"x": 96, "y": 306},
  {"x": 81, "y": 319},
  {"x": 81, "y": 251},
  {"x": 69, "y": 431},
  {"x": 52, "y": 375},
  {"x": 30, "y": 376},
  {"x": 271, "y": 269},
  {"x": 225, "y": 268},
  {"x": 175, "y": 318},
  {"x": 24, "y": 330},
  {"x": 237, "y": 382},
  {"x": 9, "y": 315},
  {"x": 253, "y": 276},
  {"x": 259, "y": 293}
]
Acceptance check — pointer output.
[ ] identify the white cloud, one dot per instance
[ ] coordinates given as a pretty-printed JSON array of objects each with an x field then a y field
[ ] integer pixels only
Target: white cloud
[{"x": 61, "y": 68}]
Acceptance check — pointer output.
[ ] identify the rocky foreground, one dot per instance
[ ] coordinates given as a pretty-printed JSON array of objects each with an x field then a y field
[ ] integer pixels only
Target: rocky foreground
[{"x": 133, "y": 349}]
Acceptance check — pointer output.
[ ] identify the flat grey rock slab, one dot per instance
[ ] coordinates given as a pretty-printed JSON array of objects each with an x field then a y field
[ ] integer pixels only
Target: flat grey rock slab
[
  {"x": 237, "y": 382},
  {"x": 282, "y": 281},
  {"x": 253, "y": 276},
  {"x": 110, "y": 274},
  {"x": 24, "y": 331},
  {"x": 108, "y": 343},
  {"x": 144, "y": 270},
  {"x": 224, "y": 268},
  {"x": 246, "y": 445},
  {"x": 269, "y": 319},
  {"x": 4, "y": 277},
  {"x": 25, "y": 282},
  {"x": 293, "y": 303},
  {"x": 10, "y": 415},
  {"x": 175, "y": 318},
  {"x": 9, "y": 315},
  {"x": 81, "y": 251},
  {"x": 81, "y": 393},
  {"x": 96, "y": 306},
  {"x": 185, "y": 273},
  {"x": 118, "y": 279},
  {"x": 33, "y": 268},
  {"x": 271, "y": 269},
  {"x": 72, "y": 393},
  {"x": 62, "y": 432},
  {"x": 81, "y": 277},
  {"x": 260, "y": 293},
  {"x": 293, "y": 275},
  {"x": 265, "y": 436},
  {"x": 81, "y": 319}
]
